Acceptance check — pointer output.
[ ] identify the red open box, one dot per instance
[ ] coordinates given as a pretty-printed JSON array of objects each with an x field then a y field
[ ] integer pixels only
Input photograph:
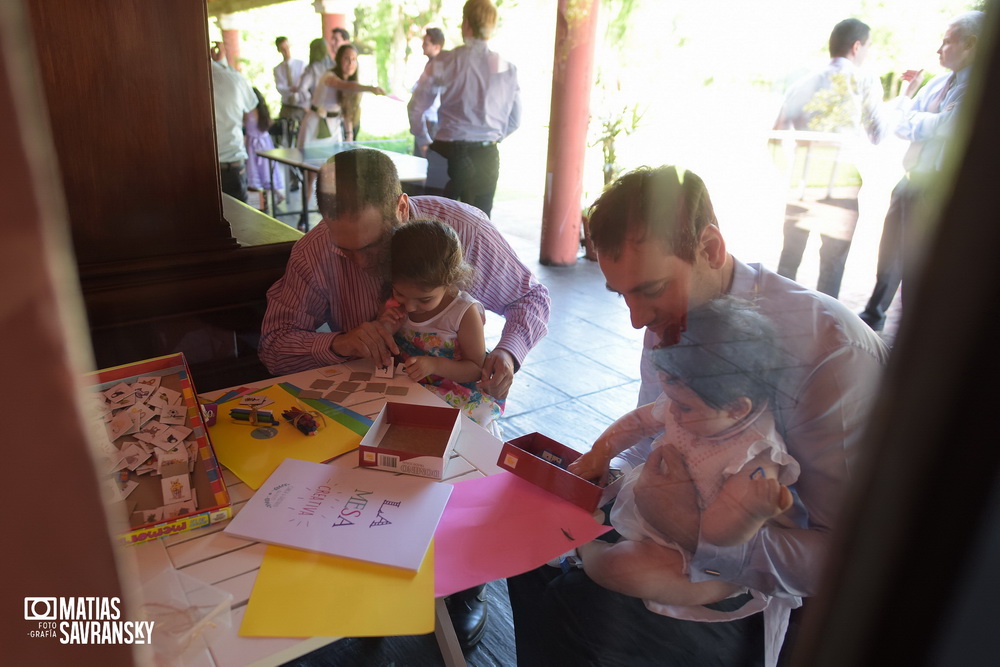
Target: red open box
[
  {"x": 523, "y": 456},
  {"x": 412, "y": 439}
]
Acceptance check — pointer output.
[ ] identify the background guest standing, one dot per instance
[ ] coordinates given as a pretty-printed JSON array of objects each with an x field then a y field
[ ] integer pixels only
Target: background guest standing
[
  {"x": 233, "y": 98},
  {"x": 480, "y": 106}
]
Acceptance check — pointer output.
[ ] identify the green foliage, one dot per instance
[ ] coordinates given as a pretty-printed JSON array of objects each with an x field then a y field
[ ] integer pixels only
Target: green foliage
[
  {"x": 832, "y": 109},
  {"x": 611, "y": 115},
  {"x": 618, "y": 25},
  {"x": 385, "y": 27}
]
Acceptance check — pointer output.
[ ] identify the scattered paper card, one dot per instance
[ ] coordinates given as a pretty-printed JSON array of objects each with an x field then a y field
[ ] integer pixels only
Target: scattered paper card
[
  {"x": 149, "y": 382},
  {"x": 311, "y": 393},
  {"x": 120, "y": 425},
  {"x": 176, "y": 488},
  {"x": 118, "y": 392},
  {"x": 321, "y": 384},
  {"x": 164, "y": 396},
  {"x": 173, "y": 415},
  {"x": 256, "y": 400},
  {"x": 337, "y": 396}
]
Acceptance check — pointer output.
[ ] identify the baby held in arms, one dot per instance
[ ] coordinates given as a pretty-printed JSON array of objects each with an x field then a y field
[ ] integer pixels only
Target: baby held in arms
[{"x": 718, "y": 434}]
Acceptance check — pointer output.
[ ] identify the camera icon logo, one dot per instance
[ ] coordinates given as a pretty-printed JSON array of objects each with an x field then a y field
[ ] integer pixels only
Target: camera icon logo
[{"x": 40, "y": 609}]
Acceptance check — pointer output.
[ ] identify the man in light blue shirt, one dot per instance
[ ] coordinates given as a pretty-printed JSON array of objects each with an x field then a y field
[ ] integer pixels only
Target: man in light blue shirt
[
  {"x": 925, "y": 118},
  {"x": 480, "y": 106},
  {"x": 660, "y": 247}
]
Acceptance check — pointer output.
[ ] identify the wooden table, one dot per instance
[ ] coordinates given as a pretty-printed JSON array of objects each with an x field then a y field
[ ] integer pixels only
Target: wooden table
[
  {"x": 411, "y": 169},
  {"x": 232, "y": 564}
]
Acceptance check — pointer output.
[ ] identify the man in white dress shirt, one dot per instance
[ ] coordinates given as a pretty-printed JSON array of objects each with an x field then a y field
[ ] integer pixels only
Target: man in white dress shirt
[
  {"x": 480, "y": 106},
  {"x": 286, "y": 81}
]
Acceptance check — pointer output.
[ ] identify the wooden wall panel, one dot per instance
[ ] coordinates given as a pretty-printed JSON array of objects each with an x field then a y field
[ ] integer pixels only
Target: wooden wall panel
[{"x": 129, "y": 97}]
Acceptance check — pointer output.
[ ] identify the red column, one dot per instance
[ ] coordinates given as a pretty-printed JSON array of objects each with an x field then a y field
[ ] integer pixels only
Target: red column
[
  {"x": 572, "y": 79},
  {"x": 331, "y": 21},
  {"x": 231, "y": 39}
]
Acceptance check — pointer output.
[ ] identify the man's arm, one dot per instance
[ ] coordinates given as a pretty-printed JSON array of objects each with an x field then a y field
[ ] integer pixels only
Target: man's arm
[
  {"x": 514, "y": 120},
  {"x": 822, "y": 433},
  {"x": 312, "y": 293},
  {"x": 421, "y": 100},
  {"x": 248, "y": 98},
  {"x": 916, "y": 123},
  {"x": 649, "y": 571},
  {"x": 873, "y": 115},
  {"x": 296, "y": 307}
]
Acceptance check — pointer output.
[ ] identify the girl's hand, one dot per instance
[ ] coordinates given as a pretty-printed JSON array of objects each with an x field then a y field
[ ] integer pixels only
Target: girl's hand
[
  {"x": 392, "y": 316},
  {"x": 593, "y": 465},
  {"x": 420, "y": 367},
  {"x": 376, "y": 89}
]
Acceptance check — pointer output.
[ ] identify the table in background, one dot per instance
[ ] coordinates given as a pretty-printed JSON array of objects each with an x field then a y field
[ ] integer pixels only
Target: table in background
[
  {"x": 790, "y": 140},
  {"x": 231, "y": 564},
  {"x": 411, "y": 169}
]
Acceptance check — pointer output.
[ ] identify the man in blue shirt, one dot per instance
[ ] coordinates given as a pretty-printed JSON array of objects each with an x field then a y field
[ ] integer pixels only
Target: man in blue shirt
[{"x": 480, "y": 106}]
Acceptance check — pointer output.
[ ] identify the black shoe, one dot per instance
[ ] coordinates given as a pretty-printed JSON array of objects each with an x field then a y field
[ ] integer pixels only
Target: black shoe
[{"x": 468, "y": 614}]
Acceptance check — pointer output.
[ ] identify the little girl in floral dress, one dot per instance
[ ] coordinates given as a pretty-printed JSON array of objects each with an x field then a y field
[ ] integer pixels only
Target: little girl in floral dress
[{"x": 440, "y": 334}]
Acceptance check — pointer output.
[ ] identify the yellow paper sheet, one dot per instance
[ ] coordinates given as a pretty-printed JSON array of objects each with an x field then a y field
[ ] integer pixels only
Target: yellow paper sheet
[
  {"x": 305, "y": 594},
  {"x": 253, "y": 459}
]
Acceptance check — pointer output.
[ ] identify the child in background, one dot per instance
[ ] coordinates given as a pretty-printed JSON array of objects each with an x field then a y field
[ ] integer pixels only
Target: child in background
[
  {"x": 440, "y": 327},
  {"x": 716, "y": 421},
  {"x": 257, "y": 138}
]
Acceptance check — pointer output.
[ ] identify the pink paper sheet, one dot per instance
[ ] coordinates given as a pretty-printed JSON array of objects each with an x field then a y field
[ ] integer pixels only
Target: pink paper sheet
[{"x": 499, "y": 526}]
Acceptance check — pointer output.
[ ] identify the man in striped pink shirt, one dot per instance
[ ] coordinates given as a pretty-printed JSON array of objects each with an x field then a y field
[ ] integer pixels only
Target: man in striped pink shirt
[{"x": 336, "y": 274}]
